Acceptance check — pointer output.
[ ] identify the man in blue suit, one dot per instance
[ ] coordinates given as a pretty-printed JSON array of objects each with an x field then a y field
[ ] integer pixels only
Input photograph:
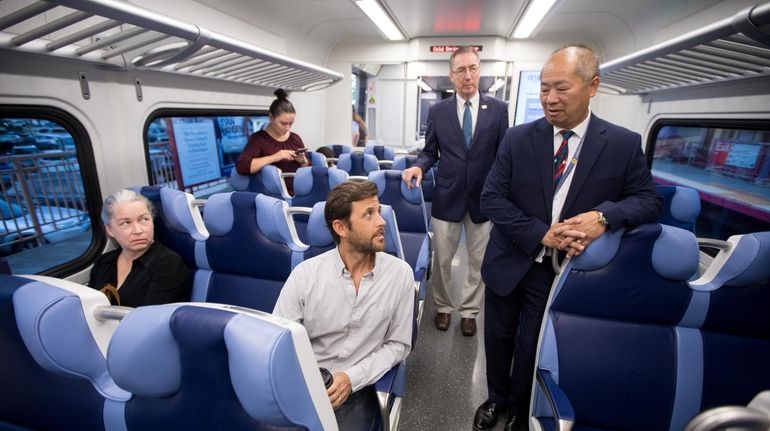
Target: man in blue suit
[
  {"x": 558, "y": 183},
  {"x": 463, "y": 134}
]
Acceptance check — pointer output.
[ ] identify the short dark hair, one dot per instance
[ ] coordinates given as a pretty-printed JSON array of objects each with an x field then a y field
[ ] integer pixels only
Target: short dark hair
[
  {"x": 462, "y": 50},
  {"x": 339, "y": 202},
  {"x": 281, "y": 104}
]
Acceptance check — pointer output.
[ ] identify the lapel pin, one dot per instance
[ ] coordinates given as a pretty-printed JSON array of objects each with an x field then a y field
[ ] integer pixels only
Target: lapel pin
[{"x": 483, "y": 106}]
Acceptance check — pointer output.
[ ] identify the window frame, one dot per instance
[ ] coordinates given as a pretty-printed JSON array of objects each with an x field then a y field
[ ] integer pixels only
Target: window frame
[
  {"x": 752, "y": 124},
  {"x": 88, "y": 173},
  {"x": 185, "y": 112}
]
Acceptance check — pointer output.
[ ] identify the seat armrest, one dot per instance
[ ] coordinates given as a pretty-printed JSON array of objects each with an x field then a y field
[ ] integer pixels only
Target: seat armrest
[
  {"x": 390, "y": 389},
  {"x": 300, "y": 210},
  {"x": 720, "y": 418},
  {"x": 288, "y": 174},
  {"x": 557, "y": 400}
]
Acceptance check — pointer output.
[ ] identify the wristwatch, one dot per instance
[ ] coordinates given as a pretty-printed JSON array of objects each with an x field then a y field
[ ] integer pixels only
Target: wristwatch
[{"x": 602, "y": 219}]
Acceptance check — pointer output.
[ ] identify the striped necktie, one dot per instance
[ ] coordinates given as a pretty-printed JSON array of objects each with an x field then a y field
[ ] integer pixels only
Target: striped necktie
[{"x": 560, "y": 158}]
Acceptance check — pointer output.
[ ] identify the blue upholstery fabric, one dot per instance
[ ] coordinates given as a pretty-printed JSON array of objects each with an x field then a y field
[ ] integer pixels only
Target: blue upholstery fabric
[
  {"x": 358, "y": 164},
  {"x": 267, "y": 181},
  {"x": 736, "y": 331},
  {"x": 340, "y": 149},
  {"x": 317, "y": 159},
  {"x": 229, "y": 371},
  {"x": 53, "y": 325},
  {"x": 382, "y": 152},
  {"x": 318, "y": 235},
  {"x": 32, "y": 397},
  {"x": 175, "y": 226},
  {"x": 427, "y": 185},
  {"x": 250, "y": 250},
  {"x": 204, "y": 398},
  {"x": 411, "y": 215},
  {"x": 312, "y": 184},
  {"x": 681, "y": 206},
  {"x": 611, "y": 340}
]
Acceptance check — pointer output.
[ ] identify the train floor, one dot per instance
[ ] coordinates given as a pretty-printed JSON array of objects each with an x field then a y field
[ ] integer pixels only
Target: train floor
[{"x": 445, "y": 373}]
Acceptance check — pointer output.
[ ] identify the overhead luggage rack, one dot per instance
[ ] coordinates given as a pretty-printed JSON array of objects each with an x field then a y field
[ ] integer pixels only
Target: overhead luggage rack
[
  {"x": 115, "y": 33},
  {"x": 734, "y": 48}
]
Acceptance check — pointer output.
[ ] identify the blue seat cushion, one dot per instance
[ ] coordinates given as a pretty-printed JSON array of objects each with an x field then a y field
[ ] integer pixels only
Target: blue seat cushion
[{"x": 32, "y": 397}]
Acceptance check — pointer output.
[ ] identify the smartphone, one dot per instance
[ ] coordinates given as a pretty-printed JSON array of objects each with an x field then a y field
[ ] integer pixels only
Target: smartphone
[{"x": 300, "y": 151}]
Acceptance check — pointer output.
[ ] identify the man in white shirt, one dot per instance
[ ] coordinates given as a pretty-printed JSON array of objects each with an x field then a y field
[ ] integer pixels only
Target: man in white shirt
[{"x": 356, "y": 303}]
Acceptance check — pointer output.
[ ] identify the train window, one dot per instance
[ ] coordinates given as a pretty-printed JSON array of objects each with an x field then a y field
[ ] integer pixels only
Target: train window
[
  {"x": 47, "y": 206},
  {"x": 195, "y": 151},
  {"x": 727, "y": 163}
]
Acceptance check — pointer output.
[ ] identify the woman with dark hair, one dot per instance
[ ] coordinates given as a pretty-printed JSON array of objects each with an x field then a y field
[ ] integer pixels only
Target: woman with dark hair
[
  {"x": 275, "y": 145},
  {"x": 141, "y": 271}
]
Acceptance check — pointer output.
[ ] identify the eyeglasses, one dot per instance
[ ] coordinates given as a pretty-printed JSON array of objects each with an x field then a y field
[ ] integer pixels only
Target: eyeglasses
[{"x": 462, "y": 70}]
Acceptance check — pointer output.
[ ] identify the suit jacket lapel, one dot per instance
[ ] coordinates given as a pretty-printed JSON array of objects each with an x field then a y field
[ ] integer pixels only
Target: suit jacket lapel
[
  {"x": 543, "y": 142},
  {"x": 593, "y": 144},
  {"x": 482, "y": 118},
  {"x": 451, "y": 108}
]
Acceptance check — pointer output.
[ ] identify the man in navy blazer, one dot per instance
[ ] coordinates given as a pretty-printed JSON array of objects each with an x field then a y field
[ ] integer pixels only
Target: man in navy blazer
[
  {"x": 543, "y": 196},
  {"x": 463, "y": 134}
]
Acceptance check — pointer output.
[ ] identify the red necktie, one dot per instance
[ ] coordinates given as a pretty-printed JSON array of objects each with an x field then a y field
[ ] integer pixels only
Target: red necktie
[{"x": 560, "y": 158}]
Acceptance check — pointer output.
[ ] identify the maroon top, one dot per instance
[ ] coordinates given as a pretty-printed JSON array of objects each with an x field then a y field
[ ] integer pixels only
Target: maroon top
[{"x": 261, "y": 144}]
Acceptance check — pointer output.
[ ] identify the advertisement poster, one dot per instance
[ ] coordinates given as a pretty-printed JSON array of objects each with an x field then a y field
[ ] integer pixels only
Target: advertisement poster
[
  {"x": 196, "y": 147},
  {"x": 528, "y": 106}
]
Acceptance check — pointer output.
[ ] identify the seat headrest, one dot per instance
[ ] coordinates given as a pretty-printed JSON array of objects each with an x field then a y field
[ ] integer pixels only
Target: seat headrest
[
  {"x": 143, "y": 356},
  {"x": 267, "y": 376},
  {"x": 55, "y": 320},
  {"x": 674, "y": 254},
  {"x": 392, "y": 237},
  {"x": 275, "y": 222},
  {"x": 389, "y": 177},
  {"x": 180, "y": 214},
  {"x": 275, "y": 378},
  {"x": 754, "y": 250},
  {"x": 305, "y": 178},
  {"x": 402, "y": 162},
  {"x": 237, "y": 181},
  {"x": 218, "y": 213},
  {"x": 681, "y": 206},
  {"x": 318, "y": 234}
]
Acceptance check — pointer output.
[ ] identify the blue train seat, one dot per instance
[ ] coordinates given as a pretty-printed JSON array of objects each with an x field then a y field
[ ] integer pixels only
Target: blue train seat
[
  {"x": 412, "y": 219},
  {"x": 178, "y": 224},
  {"x": 358, "y": 164},
  {"x": 390, "y": 387},
  {"x": 385, "y": 155},
  {"x": 311, "y": 185},
  {"x": 54, "y": 370},
  {"x": 681, "y": 206},
  {"x": 251, "y": 250},
  {"x": 612, "y": 353},
  {"x": 317, "y": 159},
  {"x": 319, "y": 238},
  {"x": 268, "y": 181},
  {"x": 208, "y": 367},
  {"x": 339, "y": 150},
  {"x": 735, "y": 329},
  {"x": 427, "y": 185}
]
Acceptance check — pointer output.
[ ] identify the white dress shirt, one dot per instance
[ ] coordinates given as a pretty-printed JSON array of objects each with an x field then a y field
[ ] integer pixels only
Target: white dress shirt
[
  {"x": 561, "y": 195},
  {"x": 364, "y": 334},
  {"x": 474, "y": 111}
]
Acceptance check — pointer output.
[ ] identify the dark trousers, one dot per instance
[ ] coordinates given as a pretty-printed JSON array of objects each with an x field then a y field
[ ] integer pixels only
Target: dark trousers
[
  {"x": 511, "y": 329},
  {"x": 360, "y": 412}
]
